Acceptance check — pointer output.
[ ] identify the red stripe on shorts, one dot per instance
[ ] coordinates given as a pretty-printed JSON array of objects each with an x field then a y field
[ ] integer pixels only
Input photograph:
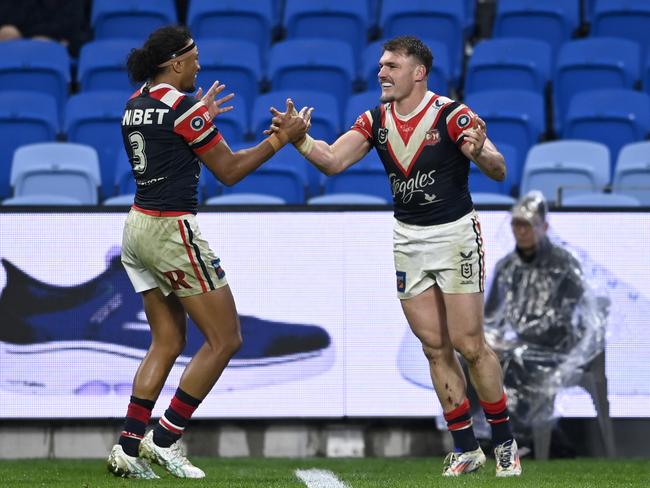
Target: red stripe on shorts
[{"x": 188, "y": 248}]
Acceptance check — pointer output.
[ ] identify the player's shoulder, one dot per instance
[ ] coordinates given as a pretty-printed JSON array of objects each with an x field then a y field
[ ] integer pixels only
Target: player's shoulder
[{"x": 171, "y": 97}]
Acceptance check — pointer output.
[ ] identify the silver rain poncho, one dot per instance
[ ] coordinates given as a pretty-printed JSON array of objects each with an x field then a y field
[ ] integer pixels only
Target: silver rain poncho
[{"x": 546, "y": 323}]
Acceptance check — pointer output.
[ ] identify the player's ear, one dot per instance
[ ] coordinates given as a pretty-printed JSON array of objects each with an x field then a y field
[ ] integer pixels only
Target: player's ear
[{"x": 420, "y": 73}]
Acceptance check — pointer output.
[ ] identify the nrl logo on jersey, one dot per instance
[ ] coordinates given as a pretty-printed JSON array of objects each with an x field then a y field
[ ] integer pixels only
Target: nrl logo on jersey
[{"x": 382, "y": 135}]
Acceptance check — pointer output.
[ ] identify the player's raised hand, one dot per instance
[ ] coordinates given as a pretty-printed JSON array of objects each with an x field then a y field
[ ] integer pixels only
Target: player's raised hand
[{"x": 214, "y": 105}]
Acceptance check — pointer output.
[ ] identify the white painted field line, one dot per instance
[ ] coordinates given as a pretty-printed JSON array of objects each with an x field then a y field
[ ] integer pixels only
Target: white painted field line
[{"x": 319, "y": 478}]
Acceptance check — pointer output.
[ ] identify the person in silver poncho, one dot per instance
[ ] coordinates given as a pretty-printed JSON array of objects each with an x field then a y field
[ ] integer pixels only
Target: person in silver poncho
[{"x": 541, "y": 317}]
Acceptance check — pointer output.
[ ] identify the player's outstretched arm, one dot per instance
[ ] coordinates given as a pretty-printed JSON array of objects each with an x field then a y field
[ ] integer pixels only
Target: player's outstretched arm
[
  {"x": 329, "y": 159},
  {"x": 481, "y": 150},
  {"x": 231, "y": 167}
]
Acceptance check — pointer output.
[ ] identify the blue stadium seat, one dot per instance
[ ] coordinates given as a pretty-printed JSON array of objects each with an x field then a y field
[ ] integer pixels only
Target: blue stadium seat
[
  {"x": 623, "y": 18},
  {"x": 119, "y": 200},
  {"x": 249, "y": 21},
  {"x": 480, "y": 183},
  {"x": 347, "y": 199},
  {"x": 632, "y": 172},
  {"x": 646, "y": 74},
  {"x": 522, "y": 64},
  {"x": 234, "y": 124},
  {"x": 94, "y": 119},
  {"x": 599, "y": 199},
  {"x": 245, "y": 199},
  {"x": 358, "y": 104},
  {"x": 308, "y": 63},
  {"x": 41, "y": 200},
  {"x": 275, "y": 179},
  {"x": 593, "y": 63},
  {"x": 360, "y": 179},
  {"x": 480, "y": 198},
  {"x": 439, "y": 76},
  {"x": 235, "y": 63},
  {"x": 514, "y": 117},
  {"x": 571, "y": 167},
  {"x": 123, "y": 181},
  {"x": 328, "y": 19},
  {"x": 102, "y": 65},
  {"x": 40, "y": 66},
  {"x": 614, "y": 117},
  {"x": 441, "y": 21},
  {"x": 130, "y": 19},
  {"x": 325, "y": 118},
  {"x": 551, "y": 21},
  {"x": 25, "y": 118},
  {"x": 56, "y": 168}
]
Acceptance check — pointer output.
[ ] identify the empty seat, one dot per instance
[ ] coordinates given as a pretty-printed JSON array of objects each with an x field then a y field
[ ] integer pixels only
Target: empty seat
[
  {"x": 245, "y": 199},
  {"x": 328, "y": 19},
  {"x": 234, "y": 124},
  {"x": 441, "y": 21},
  {"x": 45, "y": 200},
  {"x": 347, "y": 199},
  {"x": 233, "y": 62},
  {"x": 514, "y": 117},
  {"x": 119, "y": 200},
  {"x": 360, "y": 179},
  {"x": 311, "y": 63},
  {"x": 480, "y": 198},
  {"x": 566, "y": 168},
  {"x": 41, "y": 66},
  {"x": 94, "y": 118},
  {"x": 439, "y": 77},
  {"x": 517, "y": 63},
  {"x": 358, "y": 104},
  {"x": 130, "y": 19},
  {"x": 623, "y": 18},
  {"x": 614, "y": 117},
  {"x": 480, "y": 183},
  {"x": 551, "y": 21},
  {"x": 632, "y": 172},
  {"x": 277, "y": 180},
  {"x": 123, "y": 181},
  {"x": 57, "y": 168},
  {"x": 25, "y": 118},
  {"x": 102, "y": 65},
  {"x": 593, "y": 63},
  {"x": 599, "y": 199},
  {"x": 249, "y": 21}
]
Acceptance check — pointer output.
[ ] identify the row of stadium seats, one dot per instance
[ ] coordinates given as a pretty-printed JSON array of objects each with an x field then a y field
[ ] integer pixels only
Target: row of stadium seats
[
  {"x": 515, "y": 118},
  {"x": 69, "y": 173}
]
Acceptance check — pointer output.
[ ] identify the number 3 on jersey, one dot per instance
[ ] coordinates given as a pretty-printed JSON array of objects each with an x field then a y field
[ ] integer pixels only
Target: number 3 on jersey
[{"x": 139, "y": 161}]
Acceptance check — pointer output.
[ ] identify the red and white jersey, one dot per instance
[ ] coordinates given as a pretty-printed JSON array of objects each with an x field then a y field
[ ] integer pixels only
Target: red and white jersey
[
  {"x": 421, "y": 153},
  {"x": 164, "y": 131}
]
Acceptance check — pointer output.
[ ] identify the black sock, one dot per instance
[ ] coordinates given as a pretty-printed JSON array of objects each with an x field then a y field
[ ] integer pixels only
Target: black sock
[
  {"x": 498, "y": 417},
  {"x": 459, "y": 423},
  {"x": 172, "y": 424},
  {"x": 137, "y": 418}
]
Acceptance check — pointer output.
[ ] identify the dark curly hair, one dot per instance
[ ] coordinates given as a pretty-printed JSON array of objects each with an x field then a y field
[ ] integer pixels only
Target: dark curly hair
[
  {"x": 142, "y": 64},
  {"x": 411, "y": 46}
]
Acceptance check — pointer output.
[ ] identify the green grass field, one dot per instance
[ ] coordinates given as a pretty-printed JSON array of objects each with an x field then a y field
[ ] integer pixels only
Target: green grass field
[{"x": 355, "y": 473}]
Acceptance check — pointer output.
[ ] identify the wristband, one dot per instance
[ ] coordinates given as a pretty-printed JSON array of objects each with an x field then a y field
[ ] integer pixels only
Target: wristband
[
  {"x": 277, "y": 140},
  {"x": 305, "y": 146}
]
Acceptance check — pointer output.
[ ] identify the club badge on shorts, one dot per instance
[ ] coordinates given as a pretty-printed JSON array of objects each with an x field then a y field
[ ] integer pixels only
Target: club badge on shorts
[
  {"x": 401, "y": 281},
  {"x": 216, "y": 264}
]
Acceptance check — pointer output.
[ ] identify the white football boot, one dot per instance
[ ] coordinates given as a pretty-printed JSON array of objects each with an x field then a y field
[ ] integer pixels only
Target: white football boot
[
  {"x": 171, "y": 458},
  {"x": 458, "y": 463},
  {"x": 507, "y": 457},
  {"x": 121, "y": 464}
]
